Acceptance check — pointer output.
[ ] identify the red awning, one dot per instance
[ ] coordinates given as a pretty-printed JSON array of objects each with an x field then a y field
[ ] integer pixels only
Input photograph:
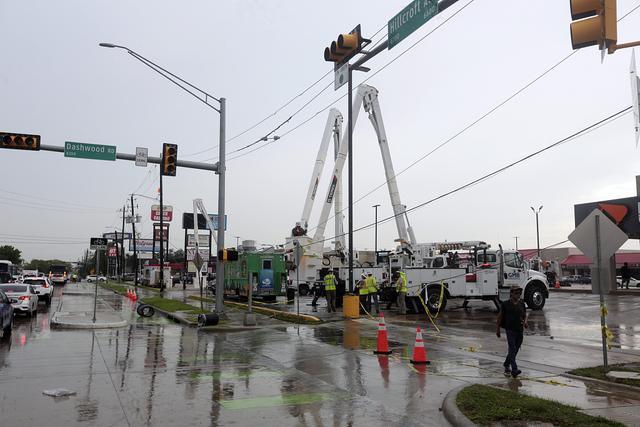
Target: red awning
[{"x": 632, "y": 258}]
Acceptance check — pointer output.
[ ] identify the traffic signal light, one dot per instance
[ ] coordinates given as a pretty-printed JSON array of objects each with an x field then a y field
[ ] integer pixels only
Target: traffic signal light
[
  {"x": 169, "y": 159},
  {"x": 346, "y": 47},
  {"x": 595, "y": 23},
  {"x": 228, "y": 255},
  {"x": 19, "y": 141}
]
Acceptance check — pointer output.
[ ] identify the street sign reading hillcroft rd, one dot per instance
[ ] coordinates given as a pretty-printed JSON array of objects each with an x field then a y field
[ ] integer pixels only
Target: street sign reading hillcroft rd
[
  {"x": 89, "y": 151},
  {"x": 410, "y": 19}
]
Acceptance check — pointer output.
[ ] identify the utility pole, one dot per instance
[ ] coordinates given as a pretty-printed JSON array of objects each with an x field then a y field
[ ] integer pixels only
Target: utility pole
[
  {"x": 161, "y": 230},
  {"x": 221, "y": 199},
  {"x": 516, "y": 237},
  {"x": 537, "y": 228},
  {"x": 123, "y": 257},
  {"x": 135, "y": 250}
]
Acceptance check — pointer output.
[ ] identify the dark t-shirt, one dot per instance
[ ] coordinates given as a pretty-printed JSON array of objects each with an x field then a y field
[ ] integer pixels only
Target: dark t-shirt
[{"x": 513, "y": 315}]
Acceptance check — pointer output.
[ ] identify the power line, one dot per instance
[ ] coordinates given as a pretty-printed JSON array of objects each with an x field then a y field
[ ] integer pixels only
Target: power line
[
  {"x": 466, "y": 128},
  {"x": 304, "y": 122},
  {"x": 575, "y": 135}
]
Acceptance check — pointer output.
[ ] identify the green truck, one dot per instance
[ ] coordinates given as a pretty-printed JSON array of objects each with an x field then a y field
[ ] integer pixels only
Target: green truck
[{"x": 264, "y": 270}]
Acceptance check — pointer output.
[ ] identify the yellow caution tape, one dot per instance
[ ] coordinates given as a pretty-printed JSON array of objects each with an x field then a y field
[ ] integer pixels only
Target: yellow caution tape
[
  {"x": 603, "y": 310},
  {"x": 426, "y": 309},
  {"x": 608, "y": 336}
]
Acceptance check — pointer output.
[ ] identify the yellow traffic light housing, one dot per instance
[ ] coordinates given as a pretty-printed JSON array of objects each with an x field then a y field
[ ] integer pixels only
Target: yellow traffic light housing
[
  {"x": 169, "y": 159},
  {"x": 595, "y": 23},
  {"x": 19, "y": 141},
  {"x": 346, "y": 47}
]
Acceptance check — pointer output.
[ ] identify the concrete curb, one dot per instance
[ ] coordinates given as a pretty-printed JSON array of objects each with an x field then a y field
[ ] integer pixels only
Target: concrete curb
[
  {"x": 450, "y": 409},
  {"x": 603, "y": 382},
  {"x": 57, "y": 324},
  {"x": 280, "y": 315}
]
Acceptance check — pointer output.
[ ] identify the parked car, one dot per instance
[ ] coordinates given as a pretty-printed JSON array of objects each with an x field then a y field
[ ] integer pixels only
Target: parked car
[
  {"x": 6, "y": 315},
  {"x": 633, "y": 282},
  {"x": 586, "y": 280},
  {"x": 93, "y": 278},
  {"x": 22, "y": 296},
  {"x": 42, "y": 286}
]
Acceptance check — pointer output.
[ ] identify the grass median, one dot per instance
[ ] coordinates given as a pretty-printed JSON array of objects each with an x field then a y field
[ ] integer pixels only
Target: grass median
[
  {"x": 486, "y": 405},
  {"x": 276, "y": 314},
  {"x": 118, "y": 289},
  {"x": 597, "y": 372}
]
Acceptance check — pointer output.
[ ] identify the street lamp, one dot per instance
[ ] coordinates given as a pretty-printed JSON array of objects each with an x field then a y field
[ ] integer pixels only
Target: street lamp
[
  {"x": 376, "y": 231},
  {"x": 537, "y": 227},
  {"x": 237, "y": 241},
  {"x": 221, "y": 165},
  {"x": 516, "y": 237}
]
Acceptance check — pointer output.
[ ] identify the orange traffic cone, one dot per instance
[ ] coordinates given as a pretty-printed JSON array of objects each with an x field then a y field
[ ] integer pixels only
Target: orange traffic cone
[
  {"x": 419, "y": 353},
  {"x": 557, "y": 284},
  {"x": 383, "y": 344},
  {"x": 134, "y": 296},
  {"x": 128, "y": 295}
]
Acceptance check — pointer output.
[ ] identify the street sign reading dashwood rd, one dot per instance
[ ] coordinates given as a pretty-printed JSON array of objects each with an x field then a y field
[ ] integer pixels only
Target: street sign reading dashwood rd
[
  {"x": 410, "y": 19},
  {"x": 89, "y": 151}
]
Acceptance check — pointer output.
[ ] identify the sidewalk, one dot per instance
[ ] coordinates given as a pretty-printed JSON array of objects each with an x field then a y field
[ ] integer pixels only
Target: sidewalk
[{"x": 75, "y": 309}]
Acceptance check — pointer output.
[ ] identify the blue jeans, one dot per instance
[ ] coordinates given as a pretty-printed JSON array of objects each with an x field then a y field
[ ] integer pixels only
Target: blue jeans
[{"x": 514, "y": 339}]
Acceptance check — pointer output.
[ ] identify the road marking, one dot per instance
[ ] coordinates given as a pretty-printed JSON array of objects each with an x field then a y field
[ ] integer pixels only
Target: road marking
[{"x": 272, "y": 401}]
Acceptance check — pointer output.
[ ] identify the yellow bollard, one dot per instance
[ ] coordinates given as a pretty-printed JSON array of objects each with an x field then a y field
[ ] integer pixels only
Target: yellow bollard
[{"x": 351, "y": 306}]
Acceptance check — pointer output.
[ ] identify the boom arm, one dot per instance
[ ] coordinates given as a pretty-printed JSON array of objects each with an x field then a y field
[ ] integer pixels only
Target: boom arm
[
  {"x": 332, "y": 128},
  {"x": 372, "y": 106}
]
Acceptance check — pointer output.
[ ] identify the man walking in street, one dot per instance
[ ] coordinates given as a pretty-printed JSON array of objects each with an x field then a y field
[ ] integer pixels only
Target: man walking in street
[
  {"x": 513, "y": 318},
  {"x": 626, "y": 275},
  {"x": 401, "y": 287},
  {"x": 372, "y": 287},
  {"x": 330, "y": 291},
  {"x": 363, "y": 291}
]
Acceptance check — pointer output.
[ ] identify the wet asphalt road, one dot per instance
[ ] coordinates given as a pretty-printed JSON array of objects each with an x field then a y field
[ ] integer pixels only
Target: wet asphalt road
[{"x": 158, "y": 373}]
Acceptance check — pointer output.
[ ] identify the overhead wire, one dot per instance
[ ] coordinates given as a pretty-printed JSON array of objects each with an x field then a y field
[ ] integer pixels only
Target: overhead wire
[
  {"x": 304, "y": 122},
  {"x": 584, "y": 131},
  {"x": 470, "y": 125}
]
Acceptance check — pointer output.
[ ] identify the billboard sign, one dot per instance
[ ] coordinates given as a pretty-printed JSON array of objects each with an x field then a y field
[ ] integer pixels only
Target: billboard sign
[
  {"x": 187, "y": 221},
  {"x": 98, "y": 243},
  {"x": 112, "y": 252},
  {"x": 191, "y": 254},
  {"x": 166, "y": 209},
  {"x": 623, "y": 213},
  {"x": 203, "y": 240},
  {"x": 144, "y": 245},
  {"x": 113, "y": 236}
]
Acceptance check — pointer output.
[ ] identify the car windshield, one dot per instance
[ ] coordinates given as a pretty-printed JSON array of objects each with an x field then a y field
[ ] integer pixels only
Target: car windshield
[{"x": 13, "y": 288}]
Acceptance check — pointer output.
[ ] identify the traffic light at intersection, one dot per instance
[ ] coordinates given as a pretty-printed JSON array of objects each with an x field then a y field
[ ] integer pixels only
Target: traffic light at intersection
[
  {"x": 19, "y": 141},
  {"x": 169, "y": 159},
  {"x": 228, "y": 255},
  {"x": 345, "y": 48},
  {"x": 594, "y": 23}
]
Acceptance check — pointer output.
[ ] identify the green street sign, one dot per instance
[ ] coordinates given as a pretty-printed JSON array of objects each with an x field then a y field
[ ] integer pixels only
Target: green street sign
[
  {"x": 82, "y": 150},
  {"x": 410, "y": 19}
]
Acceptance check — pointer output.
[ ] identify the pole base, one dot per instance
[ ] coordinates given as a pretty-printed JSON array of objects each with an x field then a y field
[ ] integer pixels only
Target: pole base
[
  {"x": 249, "y": 319},
  {"x": 382, "y": 352}
]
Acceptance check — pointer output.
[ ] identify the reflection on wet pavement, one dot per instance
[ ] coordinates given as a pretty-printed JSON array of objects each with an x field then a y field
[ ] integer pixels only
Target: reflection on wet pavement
[{"x": 154, "y": 372}]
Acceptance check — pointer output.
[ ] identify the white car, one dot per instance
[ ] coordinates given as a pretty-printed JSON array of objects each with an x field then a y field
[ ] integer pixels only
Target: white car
[
  {"x": 633, "y": 283},
  {"x": 42, "y": 286},
  {"x": 93, "y": 278},
  {"x": 22, "y": 296}
]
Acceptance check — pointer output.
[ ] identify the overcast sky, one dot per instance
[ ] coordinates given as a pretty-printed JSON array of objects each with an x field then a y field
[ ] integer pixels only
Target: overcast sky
[{"x": 57, "y": 82}]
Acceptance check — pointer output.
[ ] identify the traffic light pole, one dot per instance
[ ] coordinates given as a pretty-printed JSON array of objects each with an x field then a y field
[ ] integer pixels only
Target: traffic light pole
[
  {"x": 221, "y": 207},
  {"x": 161, "y": 235}
]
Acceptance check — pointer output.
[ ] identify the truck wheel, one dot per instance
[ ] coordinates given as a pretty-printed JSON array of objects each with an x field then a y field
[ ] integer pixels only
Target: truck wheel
[
  {"x": 534, "y": 297},
  {"x": 433, "y": 300}
]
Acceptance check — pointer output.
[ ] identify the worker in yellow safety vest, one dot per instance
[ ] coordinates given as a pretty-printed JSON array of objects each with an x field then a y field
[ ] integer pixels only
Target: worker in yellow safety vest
[
  {"x": 363, "y": 291},
  {"x": 330, "y": 291},
  {"x": 401, "y": 288},
  {"x": 372, "y": 287}
]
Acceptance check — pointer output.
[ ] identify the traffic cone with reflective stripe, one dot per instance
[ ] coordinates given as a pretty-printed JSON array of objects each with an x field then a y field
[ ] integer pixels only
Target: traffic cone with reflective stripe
[
  {"x": 383, "y": 343},
  {"x": 419, "y": 353}
]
